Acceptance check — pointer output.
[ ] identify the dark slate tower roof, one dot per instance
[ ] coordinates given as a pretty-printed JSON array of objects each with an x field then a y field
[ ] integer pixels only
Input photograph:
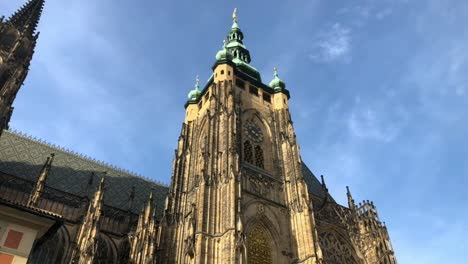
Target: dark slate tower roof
[{"x": 24, "y": 157}]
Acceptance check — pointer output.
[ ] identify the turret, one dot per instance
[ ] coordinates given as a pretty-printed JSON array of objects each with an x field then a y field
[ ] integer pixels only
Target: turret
[{"x": 375, "y": 239}]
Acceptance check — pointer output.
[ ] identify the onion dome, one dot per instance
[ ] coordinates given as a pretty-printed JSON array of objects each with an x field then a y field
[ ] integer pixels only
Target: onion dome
[
  {"x": 195, "y": 93},
  {"x": 223, "y": 54},
  {"x": 277, "y": 84}
]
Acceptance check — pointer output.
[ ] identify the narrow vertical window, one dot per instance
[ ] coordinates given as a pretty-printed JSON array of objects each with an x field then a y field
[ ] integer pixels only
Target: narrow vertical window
[
  {"x": 259, "y": 157},
  {"x": 248, "y": 155}
]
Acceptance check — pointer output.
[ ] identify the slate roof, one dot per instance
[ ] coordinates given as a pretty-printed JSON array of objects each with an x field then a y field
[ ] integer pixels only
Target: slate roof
[
  {"x": 24, "y": 157},
  {"x": 313, "y": 184}
]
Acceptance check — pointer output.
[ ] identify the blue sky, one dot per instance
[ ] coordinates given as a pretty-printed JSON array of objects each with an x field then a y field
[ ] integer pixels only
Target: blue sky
[{"x": 379, "y": 95}]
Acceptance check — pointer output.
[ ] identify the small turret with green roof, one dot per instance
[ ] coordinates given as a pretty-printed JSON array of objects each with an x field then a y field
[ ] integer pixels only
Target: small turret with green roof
[
  {"x": 277, "y": 84},
  {"x": 195, "y": 93},
  {"x": 223, "y": 54}
]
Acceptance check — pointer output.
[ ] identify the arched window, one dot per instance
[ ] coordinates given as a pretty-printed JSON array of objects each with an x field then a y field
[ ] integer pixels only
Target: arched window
[
  {"x": 52, "y": 250},
  {"x": 258, "y": 248},
  {"x": 336, "y": 249},
  {"x": 255, "y": 136},
  {"x": 248, "y": 153},
  {"x": 259, "y": 157},
  {"x": 105, "y": 253}
]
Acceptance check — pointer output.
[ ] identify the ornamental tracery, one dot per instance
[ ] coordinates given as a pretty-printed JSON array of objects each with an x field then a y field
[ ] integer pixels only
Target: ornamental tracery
[
  {"x": 253, "y": 145},
  {"x": 336, "y": 249}
]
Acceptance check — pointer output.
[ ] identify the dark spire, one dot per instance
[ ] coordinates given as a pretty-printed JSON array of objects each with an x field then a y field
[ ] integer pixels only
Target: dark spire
[
  {"x": 351, "y": 203},
  {"x": 324, "y": 185},
  {"x": 27, "y": 17}
]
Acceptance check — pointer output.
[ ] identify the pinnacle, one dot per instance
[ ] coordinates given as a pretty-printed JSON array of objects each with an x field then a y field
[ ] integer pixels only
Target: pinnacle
[{"x": 27, "y": 17}]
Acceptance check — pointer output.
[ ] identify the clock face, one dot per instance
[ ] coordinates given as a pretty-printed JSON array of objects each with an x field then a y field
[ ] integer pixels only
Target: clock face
[{"x": 254, "y": 133}]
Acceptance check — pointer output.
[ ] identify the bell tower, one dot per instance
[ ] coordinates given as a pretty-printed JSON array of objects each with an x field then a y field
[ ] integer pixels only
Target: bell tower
[
  {"x": 237, "y": 192},
  {"x": 18, "y": 39}
]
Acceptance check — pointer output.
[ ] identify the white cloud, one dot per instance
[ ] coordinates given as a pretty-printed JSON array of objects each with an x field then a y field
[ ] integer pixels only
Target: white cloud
[
  {"x": 333, "y": 45},
  {"x": 366, "y": 124},
  {"x": 383, "y": 13},
  {"x": 379, "y": 120}
]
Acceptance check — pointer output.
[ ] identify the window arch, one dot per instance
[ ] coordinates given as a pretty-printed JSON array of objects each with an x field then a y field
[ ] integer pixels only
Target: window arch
[
  {"x": 52, "y": 250},
  {"x": 258, "y": 247},
  {"x": 105, "y": 251},
  {"x": 336, "y": 249},
  {"x": 257, "y": 150}
]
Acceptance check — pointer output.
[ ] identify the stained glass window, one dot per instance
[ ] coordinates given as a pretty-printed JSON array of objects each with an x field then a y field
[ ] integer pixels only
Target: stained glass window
[
  {"x": 248, "y": 153},
  {"x": 258, "y": 248},
  {"x": 259, "y": 157}
]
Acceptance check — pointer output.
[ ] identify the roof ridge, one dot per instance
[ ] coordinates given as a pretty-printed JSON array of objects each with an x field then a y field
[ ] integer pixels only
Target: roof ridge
[{"x": 82, "y": 156}]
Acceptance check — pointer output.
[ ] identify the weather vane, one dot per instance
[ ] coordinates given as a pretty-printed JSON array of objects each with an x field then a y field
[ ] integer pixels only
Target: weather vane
[{"x": 234, "y": 15}]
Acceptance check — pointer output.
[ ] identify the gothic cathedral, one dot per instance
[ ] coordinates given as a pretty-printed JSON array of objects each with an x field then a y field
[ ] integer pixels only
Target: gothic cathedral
[{"x": 239, "y": 191}]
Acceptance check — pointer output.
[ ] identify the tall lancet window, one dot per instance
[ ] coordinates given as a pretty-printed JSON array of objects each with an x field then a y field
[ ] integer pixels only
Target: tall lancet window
[
  {"x": 253, "y": 150},
  {"x": 259, "y": 157},
  {"x": 248, "y": 152}
]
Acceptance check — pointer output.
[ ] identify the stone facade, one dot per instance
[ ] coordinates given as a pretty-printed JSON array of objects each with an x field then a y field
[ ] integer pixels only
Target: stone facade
[{"x": 239, "y": 192}]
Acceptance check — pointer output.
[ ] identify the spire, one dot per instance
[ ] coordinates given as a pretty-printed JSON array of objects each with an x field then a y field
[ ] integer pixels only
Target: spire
[
  {"x": 197, "y": 83},
  {"x": 143, "y": 241},
  {"x": 324, "y": 185},
  {"x": 351, "y": 204},
  {"x": 86, "y": 239},
  {"x": 235, "y": 45},
  {"x": 40, "y": 184},
  {"x": 27, "y": 17}
]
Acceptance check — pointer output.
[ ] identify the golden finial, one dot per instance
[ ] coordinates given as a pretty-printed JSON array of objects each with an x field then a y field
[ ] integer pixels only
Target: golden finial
[{"x": 234, "y": 15}]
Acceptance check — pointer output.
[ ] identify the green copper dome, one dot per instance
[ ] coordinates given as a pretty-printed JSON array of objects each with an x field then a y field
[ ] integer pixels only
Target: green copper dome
[
  {"x": 223, "y": 54},
  {"x": 277, "y": 84},
  {"x": 195, "y": 93}
]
